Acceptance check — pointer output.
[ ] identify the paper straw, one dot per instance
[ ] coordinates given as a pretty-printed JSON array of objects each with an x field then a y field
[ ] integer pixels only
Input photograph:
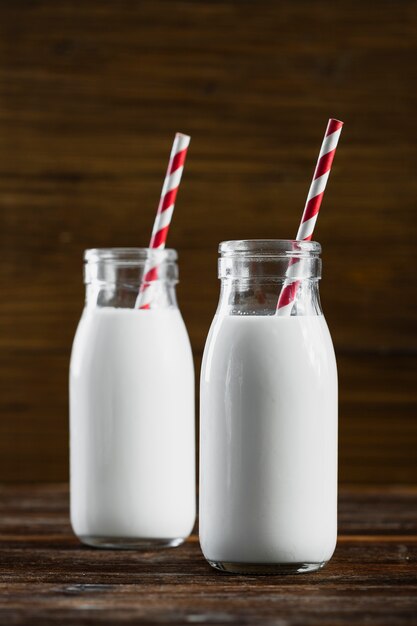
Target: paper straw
[
  {"x": 164, "y": 216},
  {"x": 311, "y": 210}
]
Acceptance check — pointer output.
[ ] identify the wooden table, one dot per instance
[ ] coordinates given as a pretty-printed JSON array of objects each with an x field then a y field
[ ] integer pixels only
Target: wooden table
[{"x": 47, "y": 577}]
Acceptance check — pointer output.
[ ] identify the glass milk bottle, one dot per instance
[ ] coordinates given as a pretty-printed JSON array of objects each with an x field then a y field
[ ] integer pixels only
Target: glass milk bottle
[
  {"x": 132, "y": 446},
  {"x": 268, "y": 455}
]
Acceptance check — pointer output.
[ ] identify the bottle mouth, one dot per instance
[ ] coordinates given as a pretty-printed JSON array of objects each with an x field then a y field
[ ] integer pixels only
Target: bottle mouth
[
  {"x": 130, "y": 256},
  {"x": 272, "y": 248},
  {"x": 128, "y": 266},
  {"x": 269, "y": 260}
]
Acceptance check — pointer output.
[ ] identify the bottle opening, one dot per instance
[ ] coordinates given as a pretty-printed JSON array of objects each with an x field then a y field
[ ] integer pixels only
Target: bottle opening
[
  {"x": 269, "y": 247},
  {"x": 129, "y": 265},
  {"x": 269, "y": 259},
  {"x": 129, "y": 256}
]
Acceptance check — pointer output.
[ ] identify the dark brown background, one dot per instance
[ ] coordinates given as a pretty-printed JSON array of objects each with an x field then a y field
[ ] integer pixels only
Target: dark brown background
[{"x": 91, "y": 94}]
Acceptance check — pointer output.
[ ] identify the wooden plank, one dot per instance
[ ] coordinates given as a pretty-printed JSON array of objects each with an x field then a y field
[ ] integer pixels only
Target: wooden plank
[{"x": 47, "y": 577}]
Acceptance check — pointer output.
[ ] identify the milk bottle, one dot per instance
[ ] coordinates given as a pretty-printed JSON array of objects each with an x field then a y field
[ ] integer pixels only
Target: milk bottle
[
  {"x": 131, "y": 407},
  {"x": 268, "y": 436}
]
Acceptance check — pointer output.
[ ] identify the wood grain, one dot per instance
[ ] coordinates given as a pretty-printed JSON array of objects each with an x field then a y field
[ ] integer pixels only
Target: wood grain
[
  {"x": 90, "y": 96},
  {"x": 47, "y": 577}
]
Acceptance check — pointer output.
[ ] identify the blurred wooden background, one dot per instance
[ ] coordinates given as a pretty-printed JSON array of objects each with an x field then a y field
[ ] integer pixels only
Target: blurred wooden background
[{"x": 91, "y": 94}]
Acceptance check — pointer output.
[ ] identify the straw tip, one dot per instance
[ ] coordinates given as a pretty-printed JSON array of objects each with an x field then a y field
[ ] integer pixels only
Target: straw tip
[
  {"x": 183, "y": 137},
  {"x": 333, "y": 126}
]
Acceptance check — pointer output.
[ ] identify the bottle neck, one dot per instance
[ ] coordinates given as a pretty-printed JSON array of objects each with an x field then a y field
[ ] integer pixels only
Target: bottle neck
[
  {"x": 260, "y": 297},
  {"x": 253, "y": 274},
  {"x": 115, "y": 276},
  {"x": 119, "y": 295}
]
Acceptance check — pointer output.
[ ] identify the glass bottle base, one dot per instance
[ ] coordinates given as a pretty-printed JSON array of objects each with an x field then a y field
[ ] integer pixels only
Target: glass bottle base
[
  {"x": 130, "y": 543},
  {"x": 266, "y": 568}
]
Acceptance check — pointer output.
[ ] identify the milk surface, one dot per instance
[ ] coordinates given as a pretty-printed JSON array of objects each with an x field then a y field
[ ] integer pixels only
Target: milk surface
[
  {"x": 268, "y": 478},
  {"x": 132, "y": 425}
]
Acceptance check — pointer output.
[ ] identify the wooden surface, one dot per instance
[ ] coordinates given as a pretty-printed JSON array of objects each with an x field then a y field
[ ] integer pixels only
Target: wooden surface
[
  {"x": 48, "y": 577},
  {"x": 91, "y": 94}
]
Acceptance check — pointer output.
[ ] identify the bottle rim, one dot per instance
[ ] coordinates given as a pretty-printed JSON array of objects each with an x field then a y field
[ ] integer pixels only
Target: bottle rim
[
  {"x": 269, "y": 248},
  {"x": 269, "y": 260},
  {"x": 130, "y": 256}
]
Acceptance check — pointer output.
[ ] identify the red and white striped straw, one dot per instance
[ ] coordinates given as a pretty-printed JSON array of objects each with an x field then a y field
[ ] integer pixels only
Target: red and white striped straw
[
  {"x": 311, "y": 210},
  {"x": 164, "y": 215}
]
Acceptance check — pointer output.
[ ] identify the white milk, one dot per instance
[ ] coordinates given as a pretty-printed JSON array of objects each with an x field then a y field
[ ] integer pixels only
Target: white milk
[
  {"x": 132, "y": 426},
  {"x": 268, "y": 490}
]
